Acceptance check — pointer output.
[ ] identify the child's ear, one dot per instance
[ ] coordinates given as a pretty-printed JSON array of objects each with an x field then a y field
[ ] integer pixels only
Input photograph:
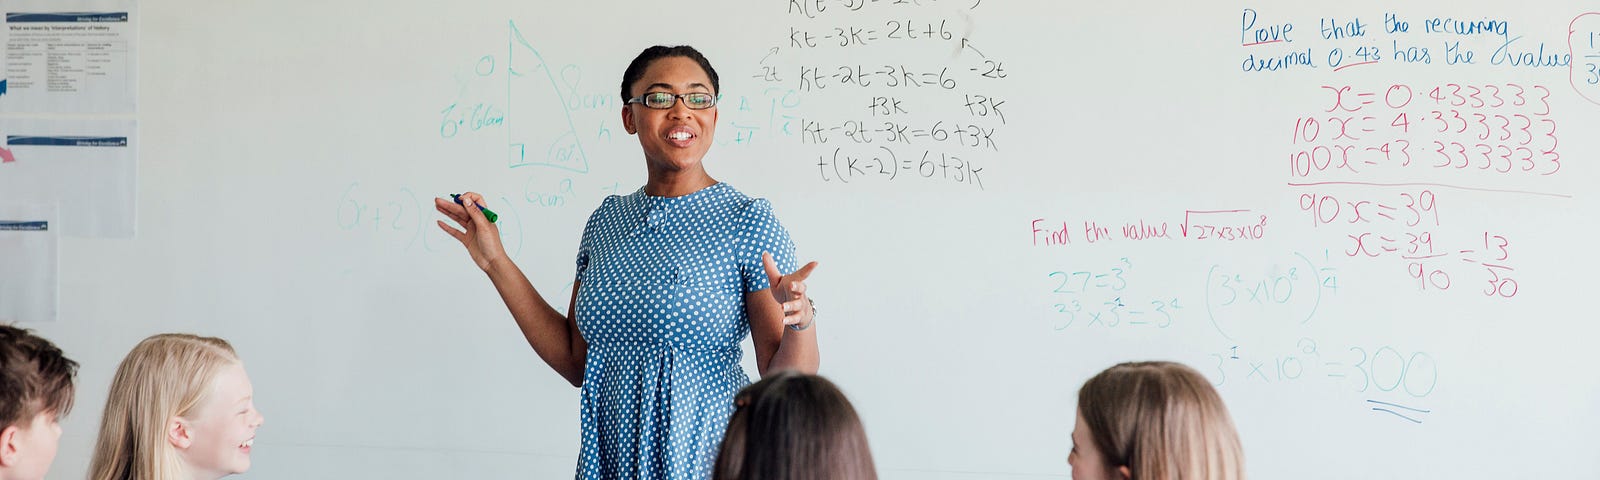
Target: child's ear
[
  {"x": 178, "y": 433},
  {"x": 9, "y": 456},
  {"x": 1124, "y": 473}
]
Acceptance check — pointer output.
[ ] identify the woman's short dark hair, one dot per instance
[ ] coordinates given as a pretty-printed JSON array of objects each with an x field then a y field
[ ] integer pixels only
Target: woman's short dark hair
[
  {"x": 640, "y": 63},
  {"x": 794, "y": 426}
]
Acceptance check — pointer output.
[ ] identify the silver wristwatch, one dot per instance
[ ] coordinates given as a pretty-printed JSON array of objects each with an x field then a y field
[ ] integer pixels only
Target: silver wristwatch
[{"x": 813, "y": 317}]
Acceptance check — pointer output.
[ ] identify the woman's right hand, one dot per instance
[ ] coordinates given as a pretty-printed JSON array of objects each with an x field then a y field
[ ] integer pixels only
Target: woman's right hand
[{"x": 481, "y": 237}]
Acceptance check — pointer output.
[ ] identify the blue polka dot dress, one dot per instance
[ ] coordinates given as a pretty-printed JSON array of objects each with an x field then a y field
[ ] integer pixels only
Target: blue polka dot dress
[{"x": 662, "y": 307}]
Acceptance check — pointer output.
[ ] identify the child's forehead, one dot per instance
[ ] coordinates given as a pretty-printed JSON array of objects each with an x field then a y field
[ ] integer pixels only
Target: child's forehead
[{"x": 232, "y": 381}]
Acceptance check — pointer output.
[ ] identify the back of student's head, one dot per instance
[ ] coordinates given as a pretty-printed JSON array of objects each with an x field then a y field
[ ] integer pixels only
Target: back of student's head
[
  {"x": 1161, "y": 420},
  {"x": 34, "y": 377},
  {"x": 794, "y": 426},
  {"x": 165, "y": 376},
  {"x": 35, "y": 380}
]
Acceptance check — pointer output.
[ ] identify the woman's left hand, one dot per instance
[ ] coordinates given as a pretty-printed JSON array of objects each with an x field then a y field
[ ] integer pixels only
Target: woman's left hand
[{"x": 790, "y": 291}]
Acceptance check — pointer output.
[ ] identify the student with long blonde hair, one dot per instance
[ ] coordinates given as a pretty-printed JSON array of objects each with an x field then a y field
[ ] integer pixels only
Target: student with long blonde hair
[
  {"x": 1153, "y": 421},
  {"x": 180, "y": 408}
]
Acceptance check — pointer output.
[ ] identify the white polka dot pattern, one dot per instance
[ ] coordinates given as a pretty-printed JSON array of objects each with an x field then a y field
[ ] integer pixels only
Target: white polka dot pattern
[{"x": 661, "y": 305}]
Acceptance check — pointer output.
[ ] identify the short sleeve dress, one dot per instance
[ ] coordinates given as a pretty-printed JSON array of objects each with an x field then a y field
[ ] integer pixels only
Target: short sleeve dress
[{"x": 661, "y": 305}]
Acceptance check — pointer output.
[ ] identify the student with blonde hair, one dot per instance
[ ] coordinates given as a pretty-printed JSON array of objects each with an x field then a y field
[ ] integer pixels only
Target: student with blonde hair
[
  {"x": 794, "y": 426},
  {"x": 180, "y": 408},
  {"x": 1153, "y": 421},
  {"x": 35, "y": 392}
]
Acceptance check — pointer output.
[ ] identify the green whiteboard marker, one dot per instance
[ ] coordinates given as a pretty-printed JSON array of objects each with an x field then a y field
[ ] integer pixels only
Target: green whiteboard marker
[{"x": 486, "y": 213}]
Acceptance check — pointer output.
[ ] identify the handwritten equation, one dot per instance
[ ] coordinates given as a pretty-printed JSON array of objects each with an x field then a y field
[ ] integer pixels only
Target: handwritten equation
[
  {"x": 1099, "y": 298},
  {"x": 1496, "y": 129},
  {"x": 1402, "y": 378},
  {"x": 918, "y": 112}
]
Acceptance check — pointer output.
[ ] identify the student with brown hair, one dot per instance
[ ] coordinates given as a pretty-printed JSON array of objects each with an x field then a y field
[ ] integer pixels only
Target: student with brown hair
[
  {"x": 794, "y": 426},
  {"x": 35, "y": 392},
  {"x": 1153, "y": 421}
]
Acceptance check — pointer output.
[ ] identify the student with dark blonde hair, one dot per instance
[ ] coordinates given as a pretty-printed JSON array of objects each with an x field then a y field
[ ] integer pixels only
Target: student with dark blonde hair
[
  {"x": 794, "y": 426},
  {"x": 35, "y": 392},
  {"x": 1153, "y": 421}
]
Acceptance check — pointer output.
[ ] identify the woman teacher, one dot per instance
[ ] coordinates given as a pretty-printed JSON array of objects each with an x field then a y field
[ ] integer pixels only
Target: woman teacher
[{"x": 669, "y": 280}]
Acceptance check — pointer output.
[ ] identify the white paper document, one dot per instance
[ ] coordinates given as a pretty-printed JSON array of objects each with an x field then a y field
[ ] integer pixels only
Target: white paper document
[
  {"x": 88, "y": 168},
  {"x": 69, "y": 57},
  {"x": 28, "y": 263}
]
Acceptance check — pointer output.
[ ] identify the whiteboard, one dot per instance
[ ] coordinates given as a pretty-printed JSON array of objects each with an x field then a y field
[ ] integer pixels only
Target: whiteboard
[{"x": 1005, "y": 198}]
